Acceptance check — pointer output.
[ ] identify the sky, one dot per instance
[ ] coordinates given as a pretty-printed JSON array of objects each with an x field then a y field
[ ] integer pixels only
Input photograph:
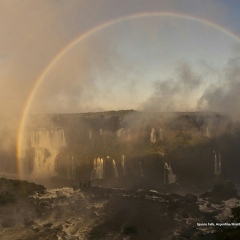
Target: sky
[{"x": 150, "y": 62}]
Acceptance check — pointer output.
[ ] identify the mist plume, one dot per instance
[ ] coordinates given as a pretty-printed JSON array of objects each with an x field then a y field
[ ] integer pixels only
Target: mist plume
[
  {"x": 174, "y": 94},
  {"x": 223, "y": 96}
]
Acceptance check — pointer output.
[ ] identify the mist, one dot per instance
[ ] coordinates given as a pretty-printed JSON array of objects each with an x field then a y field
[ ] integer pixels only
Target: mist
[
  {"x": 223, "y": 96},
  {"x": 176, "y": 93}
]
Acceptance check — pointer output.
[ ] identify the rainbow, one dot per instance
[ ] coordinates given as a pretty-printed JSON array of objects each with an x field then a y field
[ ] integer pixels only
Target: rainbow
[{"x": 84, "y": 35}]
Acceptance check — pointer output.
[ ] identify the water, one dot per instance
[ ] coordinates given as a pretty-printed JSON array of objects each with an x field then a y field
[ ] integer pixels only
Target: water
[
  {"x": 124, "y": 165},
  {"x": 120, "y": 132},
  {"x": 46, "y": 144},
  {"x": 172, "y": 178},
  {"x": 169, "y": 176},
  {"x": 217, "y": 164},
  {"x": 115, "y": 168},
  {"x": 153, "y": 136},
  {"x": 98, "y": 169}
]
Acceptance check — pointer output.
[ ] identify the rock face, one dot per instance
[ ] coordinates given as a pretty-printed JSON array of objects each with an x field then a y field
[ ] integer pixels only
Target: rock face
[
  {"x": 16, "y": 208},
  {"x": 97, "y": 213},
  {"x": 19, "y": 189},
  {"x": 221, "y": 192},
  {"x": 53, "y": 141}
]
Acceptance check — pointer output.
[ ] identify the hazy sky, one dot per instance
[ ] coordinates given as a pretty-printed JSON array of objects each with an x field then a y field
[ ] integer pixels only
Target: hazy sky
[{"x": 151, "y": 63}]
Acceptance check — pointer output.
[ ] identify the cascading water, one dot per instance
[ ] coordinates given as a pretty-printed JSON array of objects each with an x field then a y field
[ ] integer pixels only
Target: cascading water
[
  {"x": 172, "y": 178},
  {"x": 120, "y": 132},
  {"x": 169, "y": 176},
  {"x": 217, "y": 164},
  {"x": 153, "y": 136},
  {"x": 165, "y": 177},
  {"x": 98, "y": 169},
  {"x": 115, "y": 168},
  {"x": 124, "y": 165},
  {"x": 46, "y": 145}
]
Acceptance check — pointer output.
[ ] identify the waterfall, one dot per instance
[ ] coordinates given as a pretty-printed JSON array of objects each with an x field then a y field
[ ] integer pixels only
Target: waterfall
[
  {"x": 102, "y": 168},
  {"x": 46, "y": 145},
  {"x": 120, "y": 132},
  {"x": 153, "y": 136},
  {"x": 169, "y": 176},
  {"x": 100, "y": 132},
  {"x": 172, "y": 178},
  {"x": 217, "y": 164},
  {"x": 165, "y": 180},
  {"x": 98, "y": 169},
  {"x": 124, "y": 165},
  {"x": 115, "y": 168}
]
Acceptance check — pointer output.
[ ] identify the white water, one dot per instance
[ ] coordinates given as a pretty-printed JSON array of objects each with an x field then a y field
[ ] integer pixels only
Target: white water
[
  {"x": 98, "y": 169},
  {"x": 169, "y": 176},
  {"x": 217, "y": 163},
  {"x": 124, "y": 165},
  {"x": 115, "y": 168},
  {"x": 120, "y": 132},
  {"x": 153, "y": 136},
  {"x": 46, "y": 144}
]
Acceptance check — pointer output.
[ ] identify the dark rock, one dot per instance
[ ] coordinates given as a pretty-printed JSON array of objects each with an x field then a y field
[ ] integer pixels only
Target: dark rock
[
  {"x": 221, "y": 192},
  {"x": 215, "y": 200},
  {"x": 130, "y": 230},
  {"x": 206, "y": 236},
  {"x": 28, "y": 222},
  {"x": 188, "y": 232},
  {"x": 191, "y": 199},
  {"x": 47, "y": 225}
]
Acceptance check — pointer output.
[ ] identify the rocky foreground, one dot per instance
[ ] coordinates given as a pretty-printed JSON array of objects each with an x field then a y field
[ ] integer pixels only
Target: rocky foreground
[{"x": 29, "y": 211}]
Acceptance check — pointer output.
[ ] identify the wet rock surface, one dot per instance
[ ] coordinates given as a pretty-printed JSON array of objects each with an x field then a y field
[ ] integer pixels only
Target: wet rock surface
[{"x": 108, "y": 213}]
